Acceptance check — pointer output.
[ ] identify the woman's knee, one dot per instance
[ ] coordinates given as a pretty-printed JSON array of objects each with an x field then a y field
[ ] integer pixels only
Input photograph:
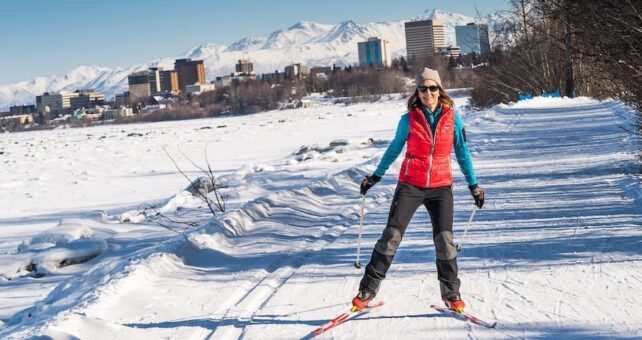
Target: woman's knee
[{"x": 444, "y": 246}]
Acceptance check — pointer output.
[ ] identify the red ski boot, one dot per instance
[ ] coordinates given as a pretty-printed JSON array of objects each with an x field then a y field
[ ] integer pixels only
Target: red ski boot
[
  {"x": 456, "y": 305},
  {"x": 361, "y": 301}
]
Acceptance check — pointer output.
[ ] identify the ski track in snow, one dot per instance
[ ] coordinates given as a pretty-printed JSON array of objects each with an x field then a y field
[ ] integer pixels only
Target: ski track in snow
[{"x": 555, "y": 253}]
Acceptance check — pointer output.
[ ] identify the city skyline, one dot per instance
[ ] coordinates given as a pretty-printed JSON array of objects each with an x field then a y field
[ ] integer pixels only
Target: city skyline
[{"x": 51, "y": 39}]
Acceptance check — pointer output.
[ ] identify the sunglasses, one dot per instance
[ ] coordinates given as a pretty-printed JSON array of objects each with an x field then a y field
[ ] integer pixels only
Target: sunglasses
[{"x": 432, "y": 88}]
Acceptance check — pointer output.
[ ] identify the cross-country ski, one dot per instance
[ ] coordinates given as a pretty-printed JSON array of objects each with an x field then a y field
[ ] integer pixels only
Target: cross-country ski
[
  {"x": 343, "y": 317},
  {"x": 464, "y": 316}
]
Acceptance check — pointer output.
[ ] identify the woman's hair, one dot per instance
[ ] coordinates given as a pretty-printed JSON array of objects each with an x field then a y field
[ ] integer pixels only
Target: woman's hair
[{"x": 414, "y": 101}]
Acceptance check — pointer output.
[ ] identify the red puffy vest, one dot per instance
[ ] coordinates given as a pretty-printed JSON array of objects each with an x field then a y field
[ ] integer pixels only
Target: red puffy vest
[{"x": 427, "y": 162}]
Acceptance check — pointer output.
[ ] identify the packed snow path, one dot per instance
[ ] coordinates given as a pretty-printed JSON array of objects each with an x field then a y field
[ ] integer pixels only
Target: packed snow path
[{"x": 556, "y": 252}]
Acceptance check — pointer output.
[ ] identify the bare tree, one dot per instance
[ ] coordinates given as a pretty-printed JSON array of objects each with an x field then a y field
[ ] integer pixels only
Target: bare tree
[
  {"x": 203, "y": 187},
  {"x": 566, "y": 45}
]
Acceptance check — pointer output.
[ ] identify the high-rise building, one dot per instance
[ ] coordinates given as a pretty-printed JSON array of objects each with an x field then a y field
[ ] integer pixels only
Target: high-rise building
[
  {"x": 374, "y": 52},
  {"x": 160, "y": 81},
  {"x": 245, "y": 66},
  {"x": 155, "y": 79},
  {"x": 49, "y": 102},
  {"x": 190, "y": 72},
  {"x": 139, "y": 85},
  {"x": 472, "y": 38},
  {"x": 424, "y": 38},
  {"x": 169, "y": 81}
]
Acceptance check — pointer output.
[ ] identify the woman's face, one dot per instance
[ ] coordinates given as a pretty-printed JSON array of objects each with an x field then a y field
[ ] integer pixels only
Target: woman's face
[{"x": 429, "y": 98}]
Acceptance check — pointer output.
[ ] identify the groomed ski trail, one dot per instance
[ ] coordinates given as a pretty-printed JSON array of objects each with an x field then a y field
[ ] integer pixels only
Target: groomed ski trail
[{"x": 555, "y": 248}]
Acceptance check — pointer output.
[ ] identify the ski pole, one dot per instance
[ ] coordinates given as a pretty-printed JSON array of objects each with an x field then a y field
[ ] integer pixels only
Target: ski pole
[
  {"x": 363, "y": 203},
  {"x": 470, "y": 220}
]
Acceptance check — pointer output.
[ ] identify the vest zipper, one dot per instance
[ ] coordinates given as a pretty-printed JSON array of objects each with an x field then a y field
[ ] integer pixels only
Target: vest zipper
[
  {"x": 432, "y": 151},
  {"x": 407, "y": 162}
]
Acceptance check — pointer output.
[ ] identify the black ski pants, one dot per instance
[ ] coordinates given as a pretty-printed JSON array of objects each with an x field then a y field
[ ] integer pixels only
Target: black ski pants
[{"x": 406, "y": 200}]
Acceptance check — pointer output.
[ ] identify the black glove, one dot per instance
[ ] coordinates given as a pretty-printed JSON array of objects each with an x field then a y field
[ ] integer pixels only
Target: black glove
[
  {"x": 369, "y": 182},
  {"x": 478, "y": 195}
]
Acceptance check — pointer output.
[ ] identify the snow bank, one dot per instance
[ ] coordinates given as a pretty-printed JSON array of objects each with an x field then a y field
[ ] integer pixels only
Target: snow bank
[
  {"x": 67, "y": 231},
  {"x": 71, "y": 242},
  {"x": 550, "y": 102}
]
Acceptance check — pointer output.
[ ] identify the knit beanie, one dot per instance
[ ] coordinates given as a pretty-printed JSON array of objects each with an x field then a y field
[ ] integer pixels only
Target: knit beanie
[{"x": 427, "y": 74}]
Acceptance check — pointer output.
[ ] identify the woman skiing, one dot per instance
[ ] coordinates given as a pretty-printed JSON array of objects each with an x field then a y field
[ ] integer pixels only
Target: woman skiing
[{"x": 430, "y": 129}]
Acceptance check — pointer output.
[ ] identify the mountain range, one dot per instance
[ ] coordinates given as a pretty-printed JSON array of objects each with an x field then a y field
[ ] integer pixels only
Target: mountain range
[{"x": 310, "y": 43}]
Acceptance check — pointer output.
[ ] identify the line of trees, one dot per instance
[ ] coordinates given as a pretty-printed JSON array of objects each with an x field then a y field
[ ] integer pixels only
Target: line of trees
[
  {"x": 353, "y": 83},
  {"x": 590, "y": 48},
  {"x": 350, "y": 82},
  {"x": 251, "y": 96}
]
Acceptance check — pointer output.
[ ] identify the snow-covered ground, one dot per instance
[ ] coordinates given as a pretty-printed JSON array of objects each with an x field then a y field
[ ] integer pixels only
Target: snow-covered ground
[{"x": 555, "y": 253}]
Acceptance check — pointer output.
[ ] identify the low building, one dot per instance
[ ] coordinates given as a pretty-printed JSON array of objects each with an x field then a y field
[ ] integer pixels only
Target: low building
[
  {"x": 451, "y": 51},
  {"x": 239, "y": 78},
  {"x": 297, "y": 71},
  {"x": 245, "y": 66},
  {"x": 223, "y": 81},
  {"x": 272, "y": 78},
  {"x": 152, "y": 108},
  {"x": 16, "y": 120},
  {"x": 22, "y": 110},
  {"x": 197, "y": 88},
  {"x": 56, "y": 103},
  {"x": 86, "y": 99},
  {"x": 111, "y": 114},
  {"x": 122, "y": 99},
  {"x": 327, "y": 70}
]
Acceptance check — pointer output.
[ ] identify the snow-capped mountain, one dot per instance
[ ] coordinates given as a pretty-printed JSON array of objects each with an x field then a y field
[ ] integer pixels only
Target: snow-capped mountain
[{"x": 306, "y": 42}]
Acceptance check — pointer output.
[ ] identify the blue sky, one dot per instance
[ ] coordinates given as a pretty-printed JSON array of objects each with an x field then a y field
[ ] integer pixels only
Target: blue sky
[{"x": 47, "y": 37}]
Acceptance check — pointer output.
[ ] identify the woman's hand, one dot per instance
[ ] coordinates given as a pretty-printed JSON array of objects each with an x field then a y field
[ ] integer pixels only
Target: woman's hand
[
  {"x": 369, "y": 182},
  {"x": 478, "y": 195}
]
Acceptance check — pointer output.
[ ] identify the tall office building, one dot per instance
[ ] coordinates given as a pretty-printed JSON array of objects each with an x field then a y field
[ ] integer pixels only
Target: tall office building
[
  {"x": 152, "y": 82},
  {"x": 139, "y": 85},
  {"x": 155, "y": 79},
  {"x": 169, "y": 81},
  {"x": 374, "y": 52},
  {"x": 424, "y": 38},
  {"x": 189, "y": 72},
  {"x": 472, "y": 38}
]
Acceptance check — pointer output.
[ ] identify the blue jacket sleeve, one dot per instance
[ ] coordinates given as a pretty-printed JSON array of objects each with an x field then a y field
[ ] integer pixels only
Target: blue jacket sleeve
[
  {"x": 462, "y": 152},
  {"x": 395, "y": 147}
]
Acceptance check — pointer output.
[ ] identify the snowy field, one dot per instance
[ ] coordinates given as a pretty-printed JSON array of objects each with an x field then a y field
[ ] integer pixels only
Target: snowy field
[{"x": 92, "y": 245}]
